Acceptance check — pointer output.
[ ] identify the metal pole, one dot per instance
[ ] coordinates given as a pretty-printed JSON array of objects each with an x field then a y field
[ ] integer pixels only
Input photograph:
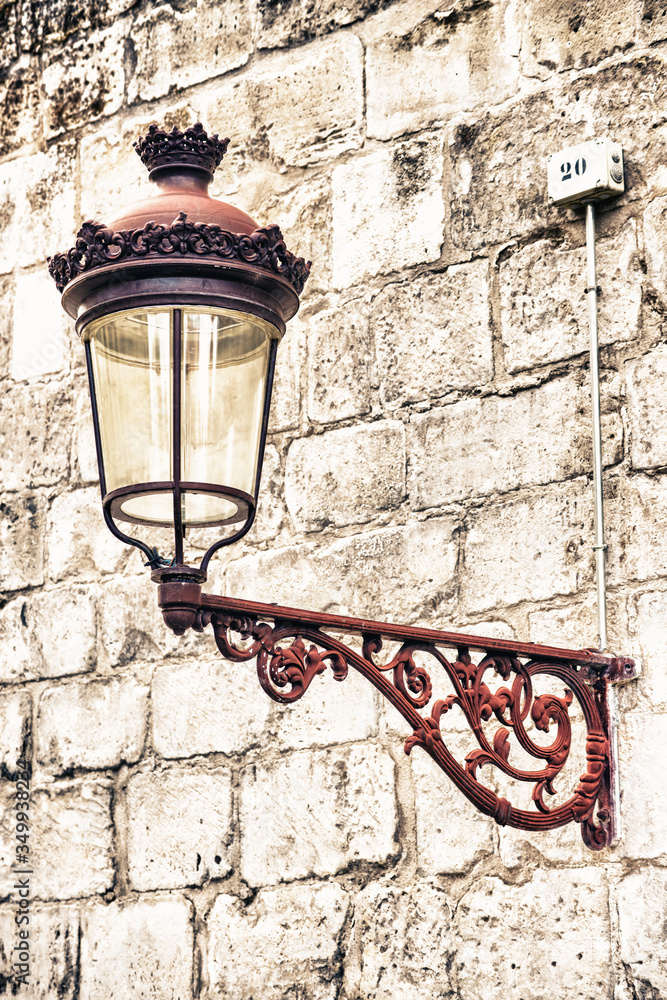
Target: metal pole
[{"x": 599, "y": 547}]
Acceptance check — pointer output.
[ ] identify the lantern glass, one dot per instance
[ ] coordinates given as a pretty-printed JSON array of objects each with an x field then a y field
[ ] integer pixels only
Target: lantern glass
[{"x": 192, "y": 429}]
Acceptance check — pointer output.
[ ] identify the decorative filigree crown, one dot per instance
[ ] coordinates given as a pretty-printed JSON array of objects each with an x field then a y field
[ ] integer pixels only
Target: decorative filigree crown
[{"x": 193, "y": 148}]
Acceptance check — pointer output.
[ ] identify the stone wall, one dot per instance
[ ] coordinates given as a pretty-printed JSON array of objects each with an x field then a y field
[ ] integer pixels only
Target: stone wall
[{"x": 428, "y": 462}]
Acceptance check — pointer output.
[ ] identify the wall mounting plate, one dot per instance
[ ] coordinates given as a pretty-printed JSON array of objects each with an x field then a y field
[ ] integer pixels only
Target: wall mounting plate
[{"x": 590, "y": 171}]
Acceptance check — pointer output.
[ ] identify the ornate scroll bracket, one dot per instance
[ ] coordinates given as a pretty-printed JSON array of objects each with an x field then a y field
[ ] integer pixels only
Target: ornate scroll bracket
[{"x": 299, "y": 645}]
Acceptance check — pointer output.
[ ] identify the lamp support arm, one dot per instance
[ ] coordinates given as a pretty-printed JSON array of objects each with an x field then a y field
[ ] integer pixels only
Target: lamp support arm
[{"x": 292, "y": 646}]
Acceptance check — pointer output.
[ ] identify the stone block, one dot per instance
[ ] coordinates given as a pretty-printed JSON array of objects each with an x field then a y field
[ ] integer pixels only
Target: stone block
[
  {"x": 388, "y": 210},
  {"x": 574, "y": 626},
  {"x": 22, "y": 541},
  {"x": 71, "y": 823},
  {"x": 7, "y": 298},
  {"x": 9, "y": 48},
  {"x": 111, "y": 172},
  {"x": 312, "y": 107},
  {"x": 53, "y": 948},
  {"x": 648, "y": 623},
  {"x": 20, "y": 104},
  {"x": 318, "y": 812},
  {"x": 132, "y": 626},
  {"x": 286, "y": 401},
  {"x": 179, "y": 827},
  {"x": 91, "y": 724},
  {"x": 345, "y": 476},
  {"x": 433, "y": 334},
  {"x": 543, "y": 313},
  {"x": 79, "y": 541},
  {"x": 451, "y": 833},
  {"x": 559, "y": 38},
  {"x": 494, "y": 192},
  {"x": 529, "y": 548},
  {"x": 642, "y": 915},
  {"x": 84, "y": 456},
  {"x": 178, "y": 48},
  {"x": 39, "y": 330},
  {"x": 85, "y": 78},
  {"x": 480, "y": 446},
  {"x": 37, "y": 206},
  {"x": 644, "y": 824},
  {"x": 405, "y": 943},
  {"x": 35, "y": 429},
  {"x": 48, "y": 634},
  {"x": 635, "y": 512},
  {"x": 283, "y": 937},
  {"x": 141, "y": 948},
  {"x": 207, "y": 707},
  {"x": 647, "y": 410},
  {"x": 329, "y": 712},
  {"x": 395, "y": 574},
  {"x": 15, "y": 729},
  {"x": 528, "y": 941},
  {"x": 426, "y": 72},
  {"x": 654, "y": 24},
  {"x": 338, "y": 363}
]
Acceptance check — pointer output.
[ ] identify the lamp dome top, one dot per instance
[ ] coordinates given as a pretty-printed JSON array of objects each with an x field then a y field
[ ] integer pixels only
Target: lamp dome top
[{"x": 193, "y": 148}]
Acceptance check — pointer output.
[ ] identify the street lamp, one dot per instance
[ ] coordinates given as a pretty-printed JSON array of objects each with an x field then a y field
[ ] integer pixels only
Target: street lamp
[{"x": 181, "y": 302}]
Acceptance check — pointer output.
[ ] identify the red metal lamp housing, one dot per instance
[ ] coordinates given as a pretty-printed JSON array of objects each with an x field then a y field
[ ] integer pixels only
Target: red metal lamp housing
[{"x": 181, "y": 302}]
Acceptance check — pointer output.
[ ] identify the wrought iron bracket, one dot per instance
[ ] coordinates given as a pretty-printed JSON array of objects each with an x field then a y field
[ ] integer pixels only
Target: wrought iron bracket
[{"x": 291, "y": 647}]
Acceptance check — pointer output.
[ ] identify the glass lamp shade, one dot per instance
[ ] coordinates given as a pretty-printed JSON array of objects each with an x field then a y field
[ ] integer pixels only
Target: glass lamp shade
[{"x": 181, "y": 396}]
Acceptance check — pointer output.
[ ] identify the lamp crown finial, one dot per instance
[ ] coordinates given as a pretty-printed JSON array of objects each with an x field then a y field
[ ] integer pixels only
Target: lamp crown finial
[{"x": 192, "y": 148}]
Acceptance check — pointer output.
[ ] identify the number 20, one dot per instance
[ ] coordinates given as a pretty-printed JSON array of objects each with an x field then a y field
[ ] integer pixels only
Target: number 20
[{"x": 579, "y": 169}]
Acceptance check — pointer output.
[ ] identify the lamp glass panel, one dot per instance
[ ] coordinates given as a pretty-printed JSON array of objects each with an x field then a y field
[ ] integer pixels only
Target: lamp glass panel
[{"x": 225, "y": 356}]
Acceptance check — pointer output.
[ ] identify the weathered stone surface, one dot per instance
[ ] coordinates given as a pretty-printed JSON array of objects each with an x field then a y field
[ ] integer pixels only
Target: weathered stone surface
[
  {"x": 138, "y": 948},
  {"x": 574, "y": 626},
  {"x": 494, "y": 194},
  {"x": 543, "y": 312},
  {"x": 39, "y": 329},
  {"x": 21, "y": 541},
  {"x": 20, "y": 105},
  {"x": 647, "y": 410},
  {"x": 529, "y": 549},
  {"x": 480, "y": 446},
  {"x": 345, "y": 476},
  {"x": 330, "y": 712},
  {"x": 15, "y": 729},
  {"x": 323, "y": 91},
  {"x": 388, "y": 211},
  {"x": 433, "y": 335},
  {"x": 451, "y": 833},
  {"x": 405, "y": 941},
  {"x": 642, "y": 913},
  {"x": 286, "y": 401},
  {"x": 396, "y": 574},
  {"x": 7, "y": 298},
  {"x": 44, "y": 24},
  {"x": 84, "y": 456},
  {"x": 559, "y": 37},
  {"x": 425, "y": 73},
  {"x": 48, "y": 634},
  {"x": 285, "y": 936},
  {"x": 71, "y": 823},
  {"x": 518, "y": 942},
  {"x": 271, "y": 507},
  {"x": 178, "y": 47},
  {"x": 79, "y": 541},
  {"x": 207, "y": 707},
  {"x": 85, "y": 79},
  {"x": 648, "y": 625},
  {"x": 37, "y": 207},
  {"x": 294, "y": 801},
  {"x": 290, "y": 22},
  {"x": 635, "y": 512},
  {"x": 179, "y": 827},
  {"x": 38, "y": 453},
  {"x": 92, "y": 724},
  {"x": 53, "y": 948},
  {"x": 338, "y": 363},
  {"x": 131, "y": 623},
  {"x": 642, "y": 814}
]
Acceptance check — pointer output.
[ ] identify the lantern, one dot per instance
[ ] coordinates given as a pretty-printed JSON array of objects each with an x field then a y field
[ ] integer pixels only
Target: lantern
[{"x": 181, "y": 301}]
